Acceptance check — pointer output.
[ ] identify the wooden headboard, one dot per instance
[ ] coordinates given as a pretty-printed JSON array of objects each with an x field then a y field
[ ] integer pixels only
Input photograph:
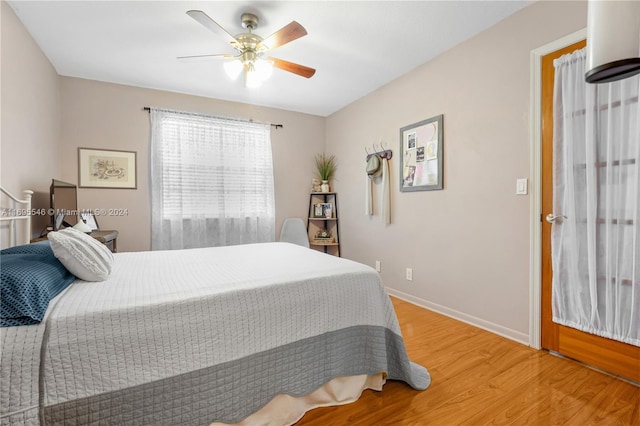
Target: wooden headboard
[{"x": 15, "y": 217}]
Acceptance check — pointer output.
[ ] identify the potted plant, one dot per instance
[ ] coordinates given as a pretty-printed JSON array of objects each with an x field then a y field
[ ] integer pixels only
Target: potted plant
[{"x": 326, "y": 166}]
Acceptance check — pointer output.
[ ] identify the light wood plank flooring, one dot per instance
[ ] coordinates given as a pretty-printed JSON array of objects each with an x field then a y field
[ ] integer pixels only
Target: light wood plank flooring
[{"x": 479, "y": 378}]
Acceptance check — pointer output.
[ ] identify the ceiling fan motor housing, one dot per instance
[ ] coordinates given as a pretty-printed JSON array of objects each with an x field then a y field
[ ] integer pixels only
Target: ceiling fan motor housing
[
  {"x": 249, "y": 21},
  {"x": 247, "y": 41}
]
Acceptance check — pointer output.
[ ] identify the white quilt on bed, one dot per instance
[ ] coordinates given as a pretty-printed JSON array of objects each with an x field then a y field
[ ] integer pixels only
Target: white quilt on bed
[{"x": 152, "y": 320}]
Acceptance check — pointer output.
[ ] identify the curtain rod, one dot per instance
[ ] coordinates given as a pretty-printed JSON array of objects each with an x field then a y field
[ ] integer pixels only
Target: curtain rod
[{"x": 277, "y": 126}]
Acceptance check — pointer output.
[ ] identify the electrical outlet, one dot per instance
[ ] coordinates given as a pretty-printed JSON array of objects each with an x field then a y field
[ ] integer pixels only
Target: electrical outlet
[
  {"x": 409, "y": 274},
  {"x": 377, "y": 266}
]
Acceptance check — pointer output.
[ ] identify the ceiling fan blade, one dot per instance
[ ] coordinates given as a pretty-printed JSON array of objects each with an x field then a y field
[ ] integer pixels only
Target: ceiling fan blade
[
  {"x": 284, "y": 35},
  {"x": 219, "y": 55},
  {"x": 293, "y": 68},
  {"x": 212, "y": 25}
]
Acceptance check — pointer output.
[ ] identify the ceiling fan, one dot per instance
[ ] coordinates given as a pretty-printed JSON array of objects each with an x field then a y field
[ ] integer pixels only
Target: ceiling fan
[{"x": 251, "y": 49}]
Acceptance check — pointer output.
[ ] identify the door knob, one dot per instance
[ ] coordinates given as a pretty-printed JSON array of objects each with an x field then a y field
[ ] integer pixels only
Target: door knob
[{"x": 551, "y": 218}]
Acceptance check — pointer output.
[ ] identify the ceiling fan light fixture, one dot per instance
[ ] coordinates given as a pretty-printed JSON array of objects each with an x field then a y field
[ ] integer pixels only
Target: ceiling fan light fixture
[
  {"x": 233, "y": 68},
  {"x": 256, "y": 72}
]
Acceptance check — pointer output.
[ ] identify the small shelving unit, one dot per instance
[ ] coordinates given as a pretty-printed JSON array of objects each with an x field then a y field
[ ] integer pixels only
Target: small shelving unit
[{"x": 323, "y": 216}]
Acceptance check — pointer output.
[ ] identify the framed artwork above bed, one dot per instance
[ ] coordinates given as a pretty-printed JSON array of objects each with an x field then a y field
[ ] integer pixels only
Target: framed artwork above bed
[{"x": 106, "y": 168}]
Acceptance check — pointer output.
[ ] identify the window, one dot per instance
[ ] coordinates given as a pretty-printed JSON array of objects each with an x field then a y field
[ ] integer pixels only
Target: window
[{"x": 211, "y": 180}]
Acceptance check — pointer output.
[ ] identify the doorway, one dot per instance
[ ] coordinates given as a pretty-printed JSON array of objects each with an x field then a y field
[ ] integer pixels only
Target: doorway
[{"x": 609, "y": 355}]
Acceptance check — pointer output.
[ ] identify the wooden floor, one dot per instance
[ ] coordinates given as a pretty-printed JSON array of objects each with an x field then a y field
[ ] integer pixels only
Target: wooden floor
[{"x": 479, "y": 378}]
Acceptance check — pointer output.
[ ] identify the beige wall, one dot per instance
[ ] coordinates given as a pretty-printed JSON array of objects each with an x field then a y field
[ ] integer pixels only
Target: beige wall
[
  {"x": 111, "y": 116},
  {"x": 30, "y": 117},
  {"x": 468, "y": 245}
]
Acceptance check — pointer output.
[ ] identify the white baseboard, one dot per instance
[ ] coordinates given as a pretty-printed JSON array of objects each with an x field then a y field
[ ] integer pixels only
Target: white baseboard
[{"x": 460, "y": 316}]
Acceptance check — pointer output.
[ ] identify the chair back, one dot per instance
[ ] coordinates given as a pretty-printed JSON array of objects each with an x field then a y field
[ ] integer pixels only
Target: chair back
[{"x": 294, "y": 231}]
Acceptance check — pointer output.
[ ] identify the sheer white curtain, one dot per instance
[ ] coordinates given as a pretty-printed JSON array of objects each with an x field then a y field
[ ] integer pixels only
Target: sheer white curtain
[
  {"x": 211, "y": 181},
  {"x": 596, "y": 247}
]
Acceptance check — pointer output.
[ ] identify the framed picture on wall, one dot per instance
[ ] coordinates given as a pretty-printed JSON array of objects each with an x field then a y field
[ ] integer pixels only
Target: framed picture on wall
[
  {"x": 421, "y": 160},
  {"x": 105, "y": 168}
]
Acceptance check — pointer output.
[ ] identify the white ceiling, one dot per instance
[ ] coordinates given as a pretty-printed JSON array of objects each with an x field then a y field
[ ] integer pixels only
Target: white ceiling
[{"x": 356, "y": 46}]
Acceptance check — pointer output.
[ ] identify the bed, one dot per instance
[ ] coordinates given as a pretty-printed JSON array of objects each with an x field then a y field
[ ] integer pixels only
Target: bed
[{"x": 203, "y": 336}]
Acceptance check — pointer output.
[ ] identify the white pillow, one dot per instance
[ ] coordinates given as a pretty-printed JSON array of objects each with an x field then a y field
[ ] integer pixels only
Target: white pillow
[{"x": 82, "y": 255}]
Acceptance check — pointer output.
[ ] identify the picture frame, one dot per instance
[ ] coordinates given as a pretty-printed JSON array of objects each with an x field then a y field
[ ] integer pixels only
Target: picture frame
[
  {"x": 317, "y": 210},
  {"x": 421, "y": 162},
  {"x": 88, "y": 217},
  {"x": 327, "y": 210},
  {"x": 106, "y": 168}
]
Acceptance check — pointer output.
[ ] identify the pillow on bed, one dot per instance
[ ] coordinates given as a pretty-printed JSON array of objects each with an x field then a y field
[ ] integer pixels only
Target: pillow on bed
[
  {"x": 31, "y": 277},
  {"x": 41, "y": 248},
  {"x": 84, "y": 256}
]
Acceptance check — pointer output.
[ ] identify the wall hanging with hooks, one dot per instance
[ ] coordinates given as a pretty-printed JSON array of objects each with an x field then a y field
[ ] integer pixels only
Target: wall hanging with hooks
[{"x": 382, "y": 152}]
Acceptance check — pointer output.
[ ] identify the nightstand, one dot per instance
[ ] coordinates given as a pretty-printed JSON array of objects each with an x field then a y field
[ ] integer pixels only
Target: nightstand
[{"x": 108, "y": 238}]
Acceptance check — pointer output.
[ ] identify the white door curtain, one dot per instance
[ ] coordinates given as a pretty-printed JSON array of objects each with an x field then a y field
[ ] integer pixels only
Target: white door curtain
[
  {"x": 596, "y": 238},
  {"x": 211, "y": 181}
]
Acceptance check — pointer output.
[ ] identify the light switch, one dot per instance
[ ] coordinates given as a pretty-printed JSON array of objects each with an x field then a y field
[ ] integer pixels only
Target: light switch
[{"x": 521, "y": 186}]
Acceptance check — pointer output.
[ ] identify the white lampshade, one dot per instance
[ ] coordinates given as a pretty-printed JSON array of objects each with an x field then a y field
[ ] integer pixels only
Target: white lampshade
[
  {"x": 233, "y": 68},
  {"x": 256, "y": 72},
  {"x": 613, "y": 40}
]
